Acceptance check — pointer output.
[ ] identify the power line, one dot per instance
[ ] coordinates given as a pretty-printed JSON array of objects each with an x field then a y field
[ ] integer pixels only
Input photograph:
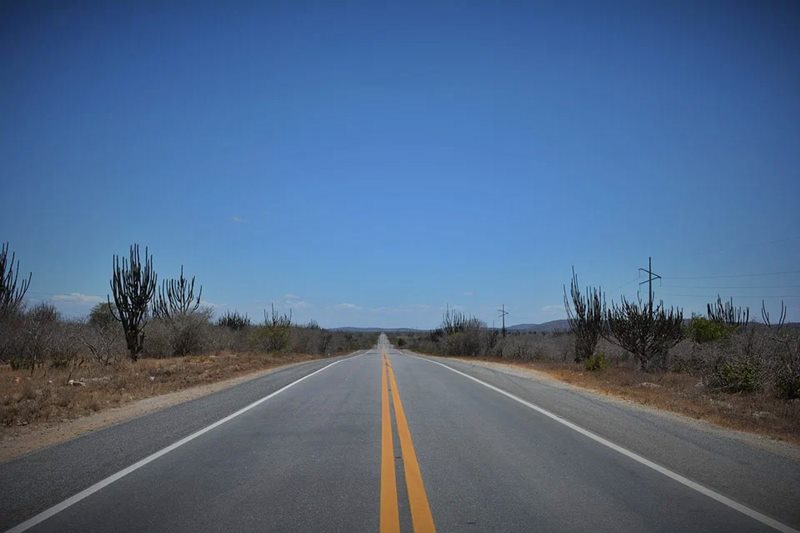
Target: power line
[
  {"x": 762, "y": 297},
  {"x": 731, "y": 287},
  {"x": 756, "y": 274}
]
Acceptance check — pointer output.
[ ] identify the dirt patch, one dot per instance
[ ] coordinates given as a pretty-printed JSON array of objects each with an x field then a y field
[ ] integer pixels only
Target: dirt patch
[
  {"x": 756, "y": 413},
  {"x": 45, "y": 409}
]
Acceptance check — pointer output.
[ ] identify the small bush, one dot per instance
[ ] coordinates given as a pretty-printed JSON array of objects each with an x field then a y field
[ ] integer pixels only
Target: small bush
[
  {"x": 101, "y": 316},
  {"x": 736, "y": 374},
  {"x": 234, "y": 321},
  {"x": 596, "y": 362},
  {"x": 786, "y": 371},
  {"x": 787, "y": 383},
  {"x": 702, "y": 330}
]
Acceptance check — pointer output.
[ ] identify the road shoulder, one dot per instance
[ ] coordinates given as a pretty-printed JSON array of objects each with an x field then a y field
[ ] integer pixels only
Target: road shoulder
[
  {"x": 28, "y": 439},
  {"x": 779, "y": 447}
]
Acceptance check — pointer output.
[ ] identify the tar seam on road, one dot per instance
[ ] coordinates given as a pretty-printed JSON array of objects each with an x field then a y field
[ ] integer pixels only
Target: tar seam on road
[
  {"x": 421, "y": 517},
  {"x": 72, "y": 500},
  {"x": 390, "y": 516},
  {"x": 736, "y": 506}
]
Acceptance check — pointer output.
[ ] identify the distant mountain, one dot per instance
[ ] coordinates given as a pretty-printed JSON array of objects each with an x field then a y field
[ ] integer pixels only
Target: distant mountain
[{"x": 553, "y": 325}]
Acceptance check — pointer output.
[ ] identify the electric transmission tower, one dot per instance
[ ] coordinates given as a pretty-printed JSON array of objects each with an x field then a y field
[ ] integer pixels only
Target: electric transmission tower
[
  {"x": 502, "y": 312},
  {"x": 650, "y": 277}
]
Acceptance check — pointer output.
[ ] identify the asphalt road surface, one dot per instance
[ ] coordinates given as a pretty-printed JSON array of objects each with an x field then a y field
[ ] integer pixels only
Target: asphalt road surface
[{"x": 384, "y": 440}]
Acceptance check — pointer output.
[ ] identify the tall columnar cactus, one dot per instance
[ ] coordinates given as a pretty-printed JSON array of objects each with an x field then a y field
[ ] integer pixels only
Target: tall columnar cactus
[
  {"x": 176, "y": 298},
  {"x": 585, "y": 317},
  {"x": 12, "y": 288},
  {"x": 133, "y": 286},
  {"x": 727, "y": 313}
]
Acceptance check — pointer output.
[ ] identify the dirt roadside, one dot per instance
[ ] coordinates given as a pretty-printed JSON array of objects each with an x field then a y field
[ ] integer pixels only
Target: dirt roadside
[
  {"x": 731, "y": 417},
  {"x": 21, "y": 440}
]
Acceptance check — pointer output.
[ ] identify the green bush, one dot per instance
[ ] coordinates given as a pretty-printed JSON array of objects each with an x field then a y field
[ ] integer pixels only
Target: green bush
[
  {"x": 702, "y": 330},
  {"x": 595, "y": 362},
  {"x": 744, "y": 374}
]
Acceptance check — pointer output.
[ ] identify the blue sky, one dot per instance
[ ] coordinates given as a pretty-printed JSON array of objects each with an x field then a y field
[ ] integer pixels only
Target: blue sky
[{"x": 367, "y": 164}]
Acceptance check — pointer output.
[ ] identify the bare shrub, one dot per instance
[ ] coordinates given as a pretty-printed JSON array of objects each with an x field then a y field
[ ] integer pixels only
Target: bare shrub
[
  {"x": 310, "y": 339},
  {"x": 11, "y": 335},
  {"x": 786, "y": 370},
  {"x": 190, "y": 333},
  {"x": 105, "y": 342},
  {"x": 273, "y": 336},
  {"x": 234, "y": 321}
]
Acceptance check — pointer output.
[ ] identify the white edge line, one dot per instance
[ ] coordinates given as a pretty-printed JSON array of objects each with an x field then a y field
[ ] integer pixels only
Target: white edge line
[
  {"x": 736, "y": 506},
  {"x": 72, "y": 500}
]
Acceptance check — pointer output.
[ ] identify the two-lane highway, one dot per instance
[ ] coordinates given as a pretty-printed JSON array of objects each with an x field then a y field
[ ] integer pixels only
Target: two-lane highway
[{"x": 389, "y": 441}]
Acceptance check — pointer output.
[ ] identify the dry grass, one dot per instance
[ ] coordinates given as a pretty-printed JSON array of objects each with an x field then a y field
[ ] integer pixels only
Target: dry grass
[
  {"x": 759, "y": 413},
  {"x": 48, "y": 397}
]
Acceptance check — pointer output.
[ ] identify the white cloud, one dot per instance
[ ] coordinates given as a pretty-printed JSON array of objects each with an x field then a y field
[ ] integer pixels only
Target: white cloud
[
  {"x": 347, "y": 307},
  {"x": 294, "y": 301},
  {"x": 77, "y": 298},
  {"x": 553, "y": 310},
  {"x": 238, "y": 219},
  {"x": 410, "y": 308}
]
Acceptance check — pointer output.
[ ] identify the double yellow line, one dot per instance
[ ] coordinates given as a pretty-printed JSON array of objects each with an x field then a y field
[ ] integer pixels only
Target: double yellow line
[{"x": 421, "y": 517}]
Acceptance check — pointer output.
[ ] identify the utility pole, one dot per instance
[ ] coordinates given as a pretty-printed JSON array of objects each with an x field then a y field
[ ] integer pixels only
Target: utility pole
[
  {"x": 503, "y": 314},
  {"x": 650, "y": 277}
]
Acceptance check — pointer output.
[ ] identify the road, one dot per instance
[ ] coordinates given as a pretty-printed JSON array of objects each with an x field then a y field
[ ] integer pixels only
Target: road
[{"x": 385, "y": 440}]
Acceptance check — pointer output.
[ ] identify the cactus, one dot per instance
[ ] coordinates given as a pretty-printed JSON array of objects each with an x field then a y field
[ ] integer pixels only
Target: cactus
[
  {"x": 12, "y": 289},
  {"x": 133, "y": 286},
  {"x": 645, "y": 332},
  {"x": 586, "y": 320},
  {"x": 727, "y": 313},
  {"x": 176, "y": 298}
]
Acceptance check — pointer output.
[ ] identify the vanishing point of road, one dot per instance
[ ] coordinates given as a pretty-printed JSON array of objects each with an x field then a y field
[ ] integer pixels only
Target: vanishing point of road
[{"x": 385, "y": 440}]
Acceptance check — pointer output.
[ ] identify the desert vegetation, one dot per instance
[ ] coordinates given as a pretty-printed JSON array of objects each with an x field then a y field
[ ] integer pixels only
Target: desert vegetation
[
  {"x": 720, "y": 366},
  {"x": 143, "y": 340}
]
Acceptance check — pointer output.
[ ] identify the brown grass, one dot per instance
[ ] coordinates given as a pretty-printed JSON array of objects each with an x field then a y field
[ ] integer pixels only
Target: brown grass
[
  {"x": 759, "y": 413},
  {"x": 48, "y": 397}
]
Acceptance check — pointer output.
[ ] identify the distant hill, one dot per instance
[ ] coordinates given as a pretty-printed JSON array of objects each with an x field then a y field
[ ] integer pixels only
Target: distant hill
[
  {"x": 376, "y": 330},
  {"x": 553, "y": 325}
]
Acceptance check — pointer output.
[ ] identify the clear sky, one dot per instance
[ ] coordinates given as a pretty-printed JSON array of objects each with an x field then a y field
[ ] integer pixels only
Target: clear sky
[{"x": 367, "y": 164}]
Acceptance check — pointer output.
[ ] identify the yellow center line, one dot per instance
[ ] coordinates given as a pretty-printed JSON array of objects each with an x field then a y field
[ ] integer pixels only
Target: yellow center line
[
  {"x": 390, "y": 517},
  {"x": 421, "y": 517}
]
